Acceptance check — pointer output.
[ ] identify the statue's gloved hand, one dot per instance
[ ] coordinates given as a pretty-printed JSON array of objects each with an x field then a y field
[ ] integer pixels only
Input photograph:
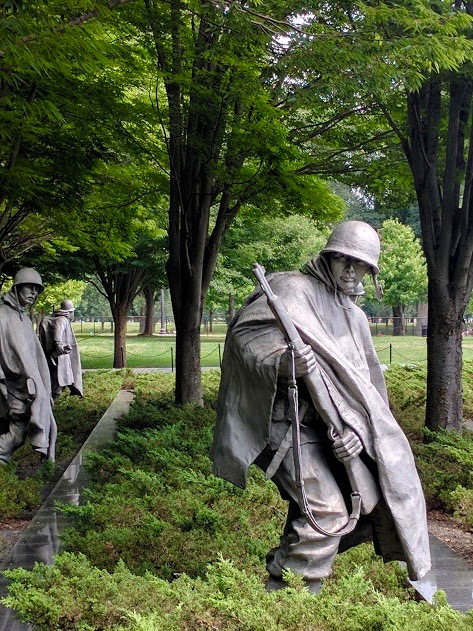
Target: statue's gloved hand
[
  {"x": 347, "y": 446},
  {"x": 62, "y": 349},
  {"x": 304, "y": 361}
]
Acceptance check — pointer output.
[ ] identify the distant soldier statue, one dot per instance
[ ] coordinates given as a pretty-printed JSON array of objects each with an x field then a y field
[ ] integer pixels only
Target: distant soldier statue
[
  {"x": 25, "y": 386},
  {"x": 61, "y": 349},
  {"x": 302, "y": 395}
]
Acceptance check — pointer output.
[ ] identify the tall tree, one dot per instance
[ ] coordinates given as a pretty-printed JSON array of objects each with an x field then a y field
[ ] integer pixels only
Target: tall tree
[
  {"x": 50, "y": 76},
  {"x": 226, "y": 143},
  {"x": 403, "y": 270},
  {"x": 396, "y": 82},
  {"x": 120, "y": 283}
]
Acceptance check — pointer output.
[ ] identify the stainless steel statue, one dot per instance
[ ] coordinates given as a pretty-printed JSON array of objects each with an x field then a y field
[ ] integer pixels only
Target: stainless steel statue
[
  {"x": 25, "y": 386},
  {"x": 302, "y": 395},
  {"x": 62, "y": 351}
]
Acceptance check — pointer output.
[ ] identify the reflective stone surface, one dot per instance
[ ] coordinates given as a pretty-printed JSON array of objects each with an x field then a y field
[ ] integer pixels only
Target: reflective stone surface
[
  {"x": 40, "y": 541},
  {"x": 451, "y": 573}
]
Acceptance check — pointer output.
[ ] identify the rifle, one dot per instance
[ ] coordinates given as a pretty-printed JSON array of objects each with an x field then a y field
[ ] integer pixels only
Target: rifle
[{"x": 365, "y": 493}]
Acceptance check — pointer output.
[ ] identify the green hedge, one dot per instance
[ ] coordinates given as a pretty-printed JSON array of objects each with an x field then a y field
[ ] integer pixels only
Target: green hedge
[
  {"x": 152, "y": 543},
  {"x": 161, "y": 544}
]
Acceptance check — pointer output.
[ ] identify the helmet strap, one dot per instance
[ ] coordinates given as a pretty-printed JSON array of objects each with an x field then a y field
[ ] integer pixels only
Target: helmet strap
[{"x": 18, "y": 302}]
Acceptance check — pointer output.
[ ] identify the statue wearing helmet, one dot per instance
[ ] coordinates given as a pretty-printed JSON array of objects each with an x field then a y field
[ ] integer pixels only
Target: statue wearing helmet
[
  {"x": 257, "y": 414},
  {"x": 28, "y": 276},
  {"x": 25, "y": 386},
  {"x": 62, "y": 351}
]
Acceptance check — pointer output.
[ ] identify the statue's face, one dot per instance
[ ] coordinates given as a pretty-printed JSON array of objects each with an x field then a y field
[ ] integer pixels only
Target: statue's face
[
  {"x": 27, "y": 294},
  {"x": 347, "y": 271}
]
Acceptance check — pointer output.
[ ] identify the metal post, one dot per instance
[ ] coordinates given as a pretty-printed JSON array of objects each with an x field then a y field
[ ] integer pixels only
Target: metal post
[
  {"x": 219, "y": 356},
  {"x": 163, "y": 314},
  {"x": 390, "y": 353},
  {"x": 172, "y": 359}
]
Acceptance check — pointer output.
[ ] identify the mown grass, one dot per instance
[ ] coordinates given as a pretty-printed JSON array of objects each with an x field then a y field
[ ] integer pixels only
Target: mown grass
[
  {"x": 159, "y": 351},
  {"x": 145, "y": 352},
  {"x": 160, "y": 544}
]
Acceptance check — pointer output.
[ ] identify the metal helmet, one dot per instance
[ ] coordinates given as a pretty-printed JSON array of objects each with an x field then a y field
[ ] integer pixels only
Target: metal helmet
[
  {"x": 359, "y": 290},
  {"x": 67, "y": 305},
  {"x": 356, "y": 239},
  {"x": 28, "y": 276}
]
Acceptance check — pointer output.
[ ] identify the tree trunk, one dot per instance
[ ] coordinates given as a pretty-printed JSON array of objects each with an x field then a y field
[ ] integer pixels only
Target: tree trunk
[
  {"x": 231, "y": 307},
  {"x": 119, "y": 354},
  {"x": 211, "y": 320},
  {"x": 148, "y": 329},
  {"x": 422, "y": 318},
  {"x": 198, "y": 145},
  {"x": 444, "y": 362},
  {"x": 398, "y": 320},
  {"x": 185, "y": 284},
  {"x": 188, "y": 367},
  {"x": 444, "y": 188}
]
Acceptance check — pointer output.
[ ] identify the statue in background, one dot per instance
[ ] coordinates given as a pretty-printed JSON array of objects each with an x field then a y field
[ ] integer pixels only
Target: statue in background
[
  {"x": 25, "y": 385},
  {"x": 62, "y": 352},
  {"x": 302, "y": 395}
]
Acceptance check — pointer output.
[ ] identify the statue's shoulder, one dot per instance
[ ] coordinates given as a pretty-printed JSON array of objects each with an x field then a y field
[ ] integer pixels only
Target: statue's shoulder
[
  {"x": 287, "y": 279},
  {"x": 5, "y": 308}
]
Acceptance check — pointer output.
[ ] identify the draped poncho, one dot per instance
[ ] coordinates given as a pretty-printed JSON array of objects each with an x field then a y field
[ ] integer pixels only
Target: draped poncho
[
  {"x": 57, "y": 328},
  {"x": 338, "y": 332},
  {"x": 21, "y": 357}
]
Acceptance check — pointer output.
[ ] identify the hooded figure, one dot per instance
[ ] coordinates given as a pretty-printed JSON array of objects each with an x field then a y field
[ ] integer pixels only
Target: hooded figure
[
  {"x": 60, "y": 347},
  {"x": 253, "y": 426},
  {"x": 25, "y": 386}
]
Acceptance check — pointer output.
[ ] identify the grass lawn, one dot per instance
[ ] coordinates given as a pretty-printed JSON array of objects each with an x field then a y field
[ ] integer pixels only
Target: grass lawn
[
  {"x": 144, "y": 352},
  {"x": 159, "y": 351}
]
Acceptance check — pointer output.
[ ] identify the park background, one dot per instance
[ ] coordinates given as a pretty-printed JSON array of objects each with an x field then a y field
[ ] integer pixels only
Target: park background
[{"x": 149, "y": 145}]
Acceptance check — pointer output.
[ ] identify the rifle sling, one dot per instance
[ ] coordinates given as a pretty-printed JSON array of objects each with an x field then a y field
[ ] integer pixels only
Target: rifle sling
[{"x": 296, "y": 447}]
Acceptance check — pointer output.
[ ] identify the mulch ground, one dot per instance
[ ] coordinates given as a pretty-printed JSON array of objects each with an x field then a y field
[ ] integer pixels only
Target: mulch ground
[{"x": 456, "y": 537}]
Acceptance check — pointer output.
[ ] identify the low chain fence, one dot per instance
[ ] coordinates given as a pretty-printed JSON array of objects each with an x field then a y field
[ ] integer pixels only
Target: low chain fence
[
  {"x": 387, "y": 355},
  {"x": 379, "y": 326},
  {"x": 168, "y": 353},
  {"x": 92, "y": 329}
]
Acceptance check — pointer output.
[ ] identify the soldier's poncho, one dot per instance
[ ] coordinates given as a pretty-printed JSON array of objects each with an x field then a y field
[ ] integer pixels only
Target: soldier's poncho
[
  {"x": 338, "y": 332},
  {"x": 66, "y": 368},
  {"x": 21, "y": 357}
]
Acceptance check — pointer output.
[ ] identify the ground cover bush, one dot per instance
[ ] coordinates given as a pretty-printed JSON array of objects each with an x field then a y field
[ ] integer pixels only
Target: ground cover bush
[
  {"x": 151, "y": 545},
  {"x": 363, "y": 595},
  {"x": 444, "y": 459},
  {"x": 154, "y": 502}
]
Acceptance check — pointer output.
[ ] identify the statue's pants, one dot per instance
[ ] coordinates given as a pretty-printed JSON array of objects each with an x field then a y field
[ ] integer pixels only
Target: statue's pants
[
  {"x": 302, "y": 549},
  {"x": 18, "y": 419}
]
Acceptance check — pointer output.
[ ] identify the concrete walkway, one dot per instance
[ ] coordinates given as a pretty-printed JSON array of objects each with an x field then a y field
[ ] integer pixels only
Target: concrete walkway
[
  {"x": 451, "y": 573},
  {"x": 40, "y": 540}
]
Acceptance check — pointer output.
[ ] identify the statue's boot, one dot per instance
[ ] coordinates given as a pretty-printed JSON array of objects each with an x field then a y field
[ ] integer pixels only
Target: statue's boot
[{"x": 13, "y": 439}]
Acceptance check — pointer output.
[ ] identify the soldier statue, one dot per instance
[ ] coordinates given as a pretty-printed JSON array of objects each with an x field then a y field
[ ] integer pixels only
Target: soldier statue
[
  {"x": 62, "y": 351},
  {"x": 25, "y": 386},
  {"x": 308, "y": 444}
]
